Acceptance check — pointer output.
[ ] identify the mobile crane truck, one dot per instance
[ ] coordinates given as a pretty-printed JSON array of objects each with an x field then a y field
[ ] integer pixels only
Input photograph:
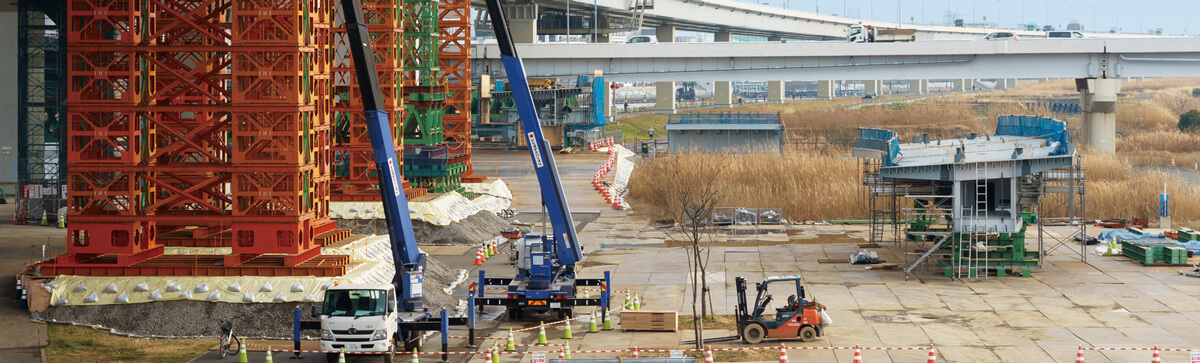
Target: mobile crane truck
[
  {"x": 378, "y": 318},
  {"x": 545, "y": 278}
]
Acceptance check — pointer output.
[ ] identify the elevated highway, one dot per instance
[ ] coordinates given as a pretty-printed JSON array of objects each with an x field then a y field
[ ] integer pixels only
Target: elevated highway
[
  {"x": 729, "y": 16},
  {"x": 798, "y": 60}
]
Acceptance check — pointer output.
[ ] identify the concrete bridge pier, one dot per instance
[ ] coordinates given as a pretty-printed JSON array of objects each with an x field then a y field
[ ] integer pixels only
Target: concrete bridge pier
[
  {"x": 1001, "y": 83},
  {"x": 522, "y": 22},
  {"x": 722, "y": 36},
  {"x": 964, "y": 85},
  {"x": 664, "y": 97},
  {"x": 918, "y": 86},
  {"x": 722, "y": 94},
  {"x": 825, "y": 90},
  {"x": 873, "y": 86},
  {"x": 775, "y": 91},
  {"x": 665, "y": 33},
  {"x": 1098, "y": 96}
]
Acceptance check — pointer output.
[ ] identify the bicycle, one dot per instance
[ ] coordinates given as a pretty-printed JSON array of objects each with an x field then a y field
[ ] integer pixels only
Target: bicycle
[{"x": 230, "y": 344}]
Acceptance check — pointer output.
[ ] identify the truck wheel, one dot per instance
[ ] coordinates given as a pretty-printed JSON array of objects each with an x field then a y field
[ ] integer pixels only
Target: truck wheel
[
  {"x": 389, "y": 357},
  {"x": 808, "y": 333},
  {"x": 754, "y": 333},
  {"x": 331, "y": 357}
]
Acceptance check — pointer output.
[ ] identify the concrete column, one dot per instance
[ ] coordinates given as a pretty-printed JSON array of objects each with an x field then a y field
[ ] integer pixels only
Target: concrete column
[
  {"x": 610, "y": 112},
  {"x": 873, "y": 86},
  {"x": 1098, "y": 96},
  {"x": 774, "y": 39},
  {"x": 1001, "y": 83},
  {"x": 963, "y": 85},
  {"x": 723, "y": 94},
  {"x": 775, "y": 91},
  {"x": 918, "y": 86},
  {"x": 1012, "y": 82},
  {"x": 522, "y": 22},
  {"x": 722, "y": 36},
  {"x": 825, "y": 90},
  {"x": 665, "y": 33},
  {"x": 10, "y": 98},
  {"x": 603, "y": 38},
  {"x": 664, "y": 97}
]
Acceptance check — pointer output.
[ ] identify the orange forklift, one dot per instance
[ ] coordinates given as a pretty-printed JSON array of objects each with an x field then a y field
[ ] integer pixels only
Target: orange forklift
[{"x": 799, "y": 318}]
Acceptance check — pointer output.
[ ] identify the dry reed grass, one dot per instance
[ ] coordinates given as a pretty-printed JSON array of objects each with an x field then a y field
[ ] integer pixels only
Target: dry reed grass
[
  {"x": 1144, "y": 115},
  {"x": 806, "y": 186},
  {"x": 1115, "y": 190}
]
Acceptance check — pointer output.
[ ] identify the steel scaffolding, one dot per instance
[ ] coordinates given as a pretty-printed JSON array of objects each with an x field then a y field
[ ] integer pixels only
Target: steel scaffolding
[{"x": 41, "y": 117}]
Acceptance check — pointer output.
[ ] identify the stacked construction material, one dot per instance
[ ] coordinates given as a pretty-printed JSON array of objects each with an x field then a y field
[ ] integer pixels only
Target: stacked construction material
[{"x": 198, "y": 123}]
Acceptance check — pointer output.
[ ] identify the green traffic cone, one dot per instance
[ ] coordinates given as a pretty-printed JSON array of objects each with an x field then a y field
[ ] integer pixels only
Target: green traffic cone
[
  {"x": 242, "y": 354},
  {"x": 487, "y": 253},
  {"x": 585, "y": 294},
  {"x": 542, "y": 334},
  {"x": 637, "y": 302},
  {"x": 567, "y": 329},
  {"x": 269, "y": 358},
  {"x": 342, "y": 356},
  {"x": 415, "y": 360},
  {"x": 511, "y": 344},
  {"x": 567, "y": 350},
  {"x": 592, "y": 324},
  {"x": 44, "y": 221},
  {"x": 62, "y": 221},
  {"x": 496, "y": 353},
  {"x": 608, "y": 321},
  {"x": 628, "y": 299}
]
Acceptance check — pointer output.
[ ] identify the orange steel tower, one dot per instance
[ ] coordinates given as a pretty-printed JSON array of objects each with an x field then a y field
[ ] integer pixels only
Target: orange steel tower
[
  {"x": 454, "y": 63},
  {"x": 199, "y": 123}
]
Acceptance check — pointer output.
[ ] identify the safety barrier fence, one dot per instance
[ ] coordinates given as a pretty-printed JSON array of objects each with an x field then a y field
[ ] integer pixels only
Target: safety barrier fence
[{"x": 611, "y": 195}]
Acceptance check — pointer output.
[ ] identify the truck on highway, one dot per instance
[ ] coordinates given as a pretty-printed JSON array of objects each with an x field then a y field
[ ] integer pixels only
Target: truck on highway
[{"x": 859, "y": 33}]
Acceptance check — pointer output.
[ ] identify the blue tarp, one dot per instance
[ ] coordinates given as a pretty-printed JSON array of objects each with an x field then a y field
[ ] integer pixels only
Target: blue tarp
[
  {"x": 1192, "y": 245},
  {"x": 1035, "y": 126},
  {"x": 1119, "y": 236},
  {"x": 876, "y": 138}
]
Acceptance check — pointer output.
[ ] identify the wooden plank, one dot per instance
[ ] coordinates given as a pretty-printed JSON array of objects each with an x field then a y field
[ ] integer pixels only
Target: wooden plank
[{"x": 648, "y": 320}]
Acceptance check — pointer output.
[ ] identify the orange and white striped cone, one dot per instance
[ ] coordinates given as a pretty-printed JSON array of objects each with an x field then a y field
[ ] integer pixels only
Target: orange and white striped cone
[
  {"x": 562, "y": 354},
  {"x": 1155, "y": 358},
  {"x": 479, "y": 256},
  {"x": 1079, "y": 355},
  {"x": 1172, "y": 162},
  {"x": 708, "y": 354},
  {"x": 857, "y": 354},
  {"x": 635, "y": 352},
  {"x": 932, "y": 355},
  {"x": 783, "y": 354}
]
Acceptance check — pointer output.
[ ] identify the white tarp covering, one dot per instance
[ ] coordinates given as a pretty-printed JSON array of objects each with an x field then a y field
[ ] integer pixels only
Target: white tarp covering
[
  {"x": 441, "y": 210},
  {"x": 626, "y": 162},
  {"x": 370, "y": 263}
]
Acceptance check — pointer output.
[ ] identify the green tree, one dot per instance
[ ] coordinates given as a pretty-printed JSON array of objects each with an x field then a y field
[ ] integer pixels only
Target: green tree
[{"x": 1189, "y": 121}]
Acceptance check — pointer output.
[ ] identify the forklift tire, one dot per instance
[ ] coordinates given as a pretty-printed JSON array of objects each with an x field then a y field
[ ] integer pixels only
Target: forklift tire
[
  {"x": 808, "y": 333},
  {"x": 754, "y": 333}
]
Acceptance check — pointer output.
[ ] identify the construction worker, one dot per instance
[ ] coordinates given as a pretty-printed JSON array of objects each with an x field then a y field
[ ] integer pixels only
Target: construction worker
[{"x": 651, "y": 132}]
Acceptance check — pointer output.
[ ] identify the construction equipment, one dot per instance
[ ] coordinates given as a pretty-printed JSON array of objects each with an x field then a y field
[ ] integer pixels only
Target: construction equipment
[
  {"x": 858, "y": 33},
  {"x": 799, "y": 318},
  {"x": 366, "y": 318},
  {"x": 545, "y": 280}
]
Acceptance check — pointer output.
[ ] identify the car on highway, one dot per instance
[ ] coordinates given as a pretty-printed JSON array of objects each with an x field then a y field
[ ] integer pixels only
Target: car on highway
[
  {"x": 1065, "y": 34},
  {"x": 641, "y": 39},
  {"x": 1001, "y": 36}
]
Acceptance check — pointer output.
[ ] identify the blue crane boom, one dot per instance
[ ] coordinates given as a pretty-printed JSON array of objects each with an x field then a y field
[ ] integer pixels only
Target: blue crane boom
[{"x": 409, "y": 260}]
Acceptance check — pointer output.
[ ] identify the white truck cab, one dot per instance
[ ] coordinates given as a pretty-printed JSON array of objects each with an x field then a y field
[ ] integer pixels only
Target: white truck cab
[{"x": 359, "y": 318}]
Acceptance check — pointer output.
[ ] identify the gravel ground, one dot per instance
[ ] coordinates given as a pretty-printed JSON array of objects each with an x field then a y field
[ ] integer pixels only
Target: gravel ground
[
  {"x": 188, "y": 318},
  {"x": 469, "y": 231}
]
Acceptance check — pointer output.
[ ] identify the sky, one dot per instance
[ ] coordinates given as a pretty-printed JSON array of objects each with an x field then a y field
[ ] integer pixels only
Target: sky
[{"x": 1132, "y": 16}]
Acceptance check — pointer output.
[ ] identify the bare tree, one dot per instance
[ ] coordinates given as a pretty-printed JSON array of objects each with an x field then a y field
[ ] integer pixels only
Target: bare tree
[{"x": 686, "y": 187}]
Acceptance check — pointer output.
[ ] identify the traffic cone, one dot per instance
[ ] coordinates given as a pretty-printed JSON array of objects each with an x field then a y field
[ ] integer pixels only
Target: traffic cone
[
  {"x": 585, "y": 294},
  {"x": 567, "y": 330},
  {"x": 592, "y": 324},
  {"x": 561, "y": 354},
  {"x": 567, "y": 350},
  {"x": 1172, "y": 162},
  {"x": 24, "y": 303},
  {"x": 708, "y": 354},
  {"x": 487, "y": 252},
  {"x": 637, "y": 302},
  {"x": 269, "y": 358},
  {"x": 1079, "y": 356},
  {"x": 1155, "y": 358},
  {"x": 494, "y": 245},
  {"x": 511, "y": 344},
  {"x": 62, "y": 221},
  {"x": 857, "y": 354},
  {"x": 414, "y": 360},
  {"x": 242, "y": 354},
  {"x": 44, "y": 221},
  {"x": 932, "y": 355},
  {"x": 608, "y": 322},
  {"x": 542, "y": 334},
  {"x": 479, "y": 257},
  {"x": 496, "y": 353},
  {"x": 635, "y": 352},
  {"x": 342, "y": 356},
  {"x": 783, "y": 354},
  {"x": 628, "y": 299}
]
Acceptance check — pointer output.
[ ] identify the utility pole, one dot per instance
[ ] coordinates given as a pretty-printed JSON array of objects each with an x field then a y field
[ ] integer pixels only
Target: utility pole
[{"x": 595, "y": 21}]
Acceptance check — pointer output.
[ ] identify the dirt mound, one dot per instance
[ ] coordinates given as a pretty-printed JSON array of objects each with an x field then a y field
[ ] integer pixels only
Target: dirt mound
[{"x": 468, "y": 231}]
